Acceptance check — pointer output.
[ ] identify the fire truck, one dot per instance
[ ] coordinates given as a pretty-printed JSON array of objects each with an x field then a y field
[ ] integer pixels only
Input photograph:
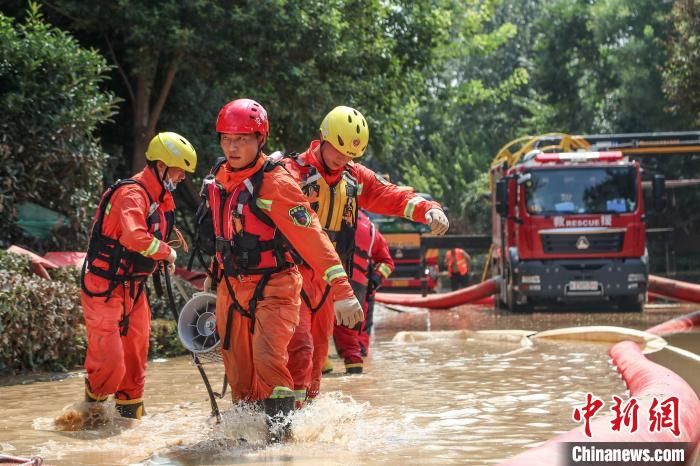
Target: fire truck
[{"x": 569, "y": 217}]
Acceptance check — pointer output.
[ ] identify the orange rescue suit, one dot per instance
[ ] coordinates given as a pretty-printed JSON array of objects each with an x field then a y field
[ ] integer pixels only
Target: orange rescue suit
[
  {"x": 457, "y": 261},
  {"x": 336, "y": 196},
  {"x": 256, "y": 362},
  {"x": 116, "y": 357}
]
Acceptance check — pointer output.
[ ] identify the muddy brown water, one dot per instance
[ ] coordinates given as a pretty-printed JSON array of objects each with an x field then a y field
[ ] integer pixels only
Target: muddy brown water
[{"x": 437, "y": 398}]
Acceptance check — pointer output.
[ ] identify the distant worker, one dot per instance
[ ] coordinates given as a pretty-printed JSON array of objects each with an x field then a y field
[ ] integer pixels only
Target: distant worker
[
  {"x": 457, "y": 263},
  {"x": 371, "y": 264},
  {"x": 128, "y": 243}
]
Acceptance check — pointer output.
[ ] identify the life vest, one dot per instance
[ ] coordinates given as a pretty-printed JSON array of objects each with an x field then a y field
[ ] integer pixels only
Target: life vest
[
  {"x": 108, "y": 259},
  {"x": 246, "y": 240},
  {"x": 234, "y": 229},
  {"x": 457, "y": 262},
  {"x": 362, "y": 257},
  {"x": 335, "y": 206}
]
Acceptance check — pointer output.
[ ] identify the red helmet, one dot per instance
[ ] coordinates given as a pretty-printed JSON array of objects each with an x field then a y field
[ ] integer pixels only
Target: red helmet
[{"x": 243, "y": 116}]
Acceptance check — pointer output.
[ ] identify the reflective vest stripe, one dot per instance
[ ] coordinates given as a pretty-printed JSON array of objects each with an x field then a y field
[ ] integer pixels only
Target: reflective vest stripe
[
  {"x": 264, "y": 204},
  {"x": 334, "y": 272},
  {"x": 411, "y": 207},
  {"x": 384, "y": 269},
  {"x": 152, "y": 248}
]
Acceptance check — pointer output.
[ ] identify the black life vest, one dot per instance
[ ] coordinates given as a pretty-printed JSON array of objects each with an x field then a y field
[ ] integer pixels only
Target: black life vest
[{"x": 108, "y": 259}]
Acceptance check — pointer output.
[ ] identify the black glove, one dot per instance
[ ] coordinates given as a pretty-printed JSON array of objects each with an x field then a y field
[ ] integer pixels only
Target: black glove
[{"x": 375, "y": 280}]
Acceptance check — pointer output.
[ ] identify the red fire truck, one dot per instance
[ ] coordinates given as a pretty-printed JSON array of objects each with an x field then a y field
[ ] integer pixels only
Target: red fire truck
[{"x": 569, "y": 218}]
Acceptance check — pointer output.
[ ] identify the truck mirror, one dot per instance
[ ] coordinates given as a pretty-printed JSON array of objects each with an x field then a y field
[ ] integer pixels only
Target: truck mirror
[
  {"x": 658, "y": 185},
  {"x": 502, "y": 197}
]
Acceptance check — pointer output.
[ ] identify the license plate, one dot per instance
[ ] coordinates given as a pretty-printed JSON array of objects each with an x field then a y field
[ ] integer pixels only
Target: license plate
[{"x": 583, "y": 286}]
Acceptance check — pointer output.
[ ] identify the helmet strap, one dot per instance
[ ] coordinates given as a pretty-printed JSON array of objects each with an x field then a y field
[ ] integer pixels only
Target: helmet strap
[
  {"x": 326, "y": 168},
  {"x": 161, "y": 181}
]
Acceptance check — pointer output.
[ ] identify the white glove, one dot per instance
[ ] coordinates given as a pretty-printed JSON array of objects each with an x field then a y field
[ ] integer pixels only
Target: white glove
[
  {"x": 207, "y": 284},
  {"x": 348, "y": 312},
  {"x": 437, "y": 220},
  {"x": 172, "y": 256}
]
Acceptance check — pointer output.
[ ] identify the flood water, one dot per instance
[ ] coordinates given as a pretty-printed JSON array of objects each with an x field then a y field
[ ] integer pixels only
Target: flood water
[{"x": 438, "y": 397}]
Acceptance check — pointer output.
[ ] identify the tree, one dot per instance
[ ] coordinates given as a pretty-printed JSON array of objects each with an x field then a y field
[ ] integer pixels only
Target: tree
[
  {"x": 51, "y": 107},
  {"x": 148, "y": 43},
  {"x": 598, "y": 67},
  {"x": 682, "y": 75},
  {"x": 457, "y": 133}
]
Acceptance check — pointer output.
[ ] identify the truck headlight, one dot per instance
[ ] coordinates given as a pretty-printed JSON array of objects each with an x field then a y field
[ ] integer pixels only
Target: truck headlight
[
  {"x": 530, "y": 279},
  {"x": 636, "y": 277}
]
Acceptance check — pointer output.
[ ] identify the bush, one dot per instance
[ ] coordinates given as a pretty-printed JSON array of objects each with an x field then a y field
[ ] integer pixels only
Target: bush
[
  {"x": 50, "y": 107},
  {"x": 164, "y": 341},
  {"x": 41, "y": 321}
]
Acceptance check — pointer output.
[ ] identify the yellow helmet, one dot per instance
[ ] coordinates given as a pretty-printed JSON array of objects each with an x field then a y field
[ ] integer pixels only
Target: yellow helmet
[
  {"x": 173, "y": 150},
  {"x": 346, "y": 129}
]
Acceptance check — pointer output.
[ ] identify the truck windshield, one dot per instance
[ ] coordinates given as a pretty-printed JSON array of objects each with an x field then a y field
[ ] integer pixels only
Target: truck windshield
[{"x": 593, "y": 190}]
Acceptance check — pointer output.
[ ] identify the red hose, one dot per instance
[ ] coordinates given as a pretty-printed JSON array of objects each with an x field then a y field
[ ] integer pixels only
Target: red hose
[
  {"x": 675, "y": 289},
  {"x": 680, "y": 324},
  {"x": 646, "y": 380},
  {"x": 443, "y": 300}
]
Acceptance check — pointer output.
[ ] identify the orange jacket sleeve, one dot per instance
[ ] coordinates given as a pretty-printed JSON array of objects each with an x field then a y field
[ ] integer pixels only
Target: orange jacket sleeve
[
  {"x": 383, "y": 262},
  {"x": 131, "y": 205},
  {"x": 381, "y": 197},
  {"x": 289, "y": 209}
]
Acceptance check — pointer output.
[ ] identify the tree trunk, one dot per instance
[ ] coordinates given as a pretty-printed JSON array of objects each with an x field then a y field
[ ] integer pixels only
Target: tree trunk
[
  {"x": 142, "y": 104},
  {"x": 145, "y": 118}
]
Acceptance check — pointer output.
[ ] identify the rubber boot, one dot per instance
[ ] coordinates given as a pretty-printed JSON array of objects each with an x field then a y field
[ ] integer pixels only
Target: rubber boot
[
  {"x": 299, "y": 398},
  {"x": 132, "y": 409},
  {"x": 278, "y": 408},
  {"x": 327, "y": 367},
  {"x": 91, "y": 397},
  {"x": 353, "y": 367}
]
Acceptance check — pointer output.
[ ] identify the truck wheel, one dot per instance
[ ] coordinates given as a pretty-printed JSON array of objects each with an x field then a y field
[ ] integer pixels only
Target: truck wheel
[{"x": 629, "y": 304}]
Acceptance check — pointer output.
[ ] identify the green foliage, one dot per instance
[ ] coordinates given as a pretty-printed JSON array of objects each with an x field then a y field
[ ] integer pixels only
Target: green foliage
[
  {"x": 459, "y": 129},
  {"x": 51, "y": 106},
  {"x": 598, "y": 66},
  {"x": 164, "y": 341},
  {"x": 682, "y": 74},
  {"x": 41, "y": 321}
]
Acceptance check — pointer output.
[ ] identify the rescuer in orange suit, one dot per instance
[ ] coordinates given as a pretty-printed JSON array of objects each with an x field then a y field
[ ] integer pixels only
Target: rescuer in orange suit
[
  {"x": 457, "y": 263},
  {"x": 128, "y": 242},
  {"x": 371, "y": 263},
  {"x": 336, "y": 186},
  {"x": 261, "y": 220}
]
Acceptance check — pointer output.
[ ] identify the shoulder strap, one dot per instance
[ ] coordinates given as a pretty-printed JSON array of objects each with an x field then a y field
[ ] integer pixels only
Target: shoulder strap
[
  {"x": 217, "y": 165},
  {"x": 108, "y": 196}
]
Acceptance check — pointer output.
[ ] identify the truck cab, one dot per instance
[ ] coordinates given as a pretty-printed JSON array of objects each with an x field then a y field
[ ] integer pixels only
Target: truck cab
[{"x": 569, "y": 227}]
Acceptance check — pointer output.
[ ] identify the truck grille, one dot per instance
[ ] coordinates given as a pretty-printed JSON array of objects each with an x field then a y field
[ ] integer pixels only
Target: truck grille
[{"x": 586, "y": 243}]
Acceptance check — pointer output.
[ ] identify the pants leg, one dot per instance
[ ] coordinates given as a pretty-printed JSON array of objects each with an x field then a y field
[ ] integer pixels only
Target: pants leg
[
  {"x": 104, "y": 359},
  {"x": 257, "y": 363},
  {"x": 321, "y": 330},
  {"x": 135, "y": 345},
  {"x": 347, "y": 342},
  {"x": 301, "y": 346},
  {"x": 277, "y": 317},
  {"x": 455, "y": 280},
  {"x": 366, "y": 334},
  {"x": 300, "y": 350}
]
